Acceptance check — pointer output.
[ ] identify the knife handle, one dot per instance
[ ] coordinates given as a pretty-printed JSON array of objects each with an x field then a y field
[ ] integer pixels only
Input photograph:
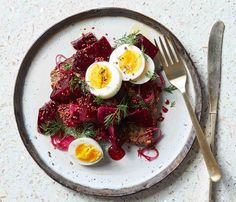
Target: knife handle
[
  {"x": 213, "y": 117},
  {"x": 211, "y": 164}
]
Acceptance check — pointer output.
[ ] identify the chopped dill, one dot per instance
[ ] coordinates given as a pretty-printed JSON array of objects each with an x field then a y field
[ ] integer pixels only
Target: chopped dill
[
  {"x": 172, "y": 104},
  {"x": 127, "y": 39},
  {"x": 170, "y": 88}
]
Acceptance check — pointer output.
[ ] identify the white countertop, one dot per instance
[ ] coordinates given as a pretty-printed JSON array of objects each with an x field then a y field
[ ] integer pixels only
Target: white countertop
[{"x": 23, "y": 21}]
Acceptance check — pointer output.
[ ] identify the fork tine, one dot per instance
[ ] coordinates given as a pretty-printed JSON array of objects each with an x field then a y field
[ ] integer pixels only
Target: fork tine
[
  {"x": 159, "y": 55},
  {"x": 168, "y": 62},
  {"x": 175, "y": 49},
  {"x": 172, "y": 57}
]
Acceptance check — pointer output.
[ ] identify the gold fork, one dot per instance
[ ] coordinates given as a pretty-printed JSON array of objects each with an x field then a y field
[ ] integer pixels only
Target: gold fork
[{"x": 176, "y": 73}]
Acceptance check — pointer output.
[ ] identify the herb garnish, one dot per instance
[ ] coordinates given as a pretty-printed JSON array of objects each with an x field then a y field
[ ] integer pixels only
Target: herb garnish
[
  {"x": 121, "y": 111},
  {"x": 98, "y": 100},
  {"x": 143, "y": 53},
  {"x": 170, "y": 88},
  {"x": 172, "y": 104},
  {"x": 51, "y": 127},
  {"x": 140, "y": 104},
  {"x": 86, "y": 130},
  {"x": 152, "y": 75},
  {"x": 67, "y": 67},
  {"x": 77, "y": 82},
  {"x": 127, "y": 39}
]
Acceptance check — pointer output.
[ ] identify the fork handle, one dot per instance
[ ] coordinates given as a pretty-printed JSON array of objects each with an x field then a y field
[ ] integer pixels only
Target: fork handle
[{"x": 212, "y": 166}]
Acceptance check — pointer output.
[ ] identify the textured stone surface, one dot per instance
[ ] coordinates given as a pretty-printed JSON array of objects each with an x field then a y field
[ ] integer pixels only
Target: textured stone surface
[{"x": 22, "y": 22}]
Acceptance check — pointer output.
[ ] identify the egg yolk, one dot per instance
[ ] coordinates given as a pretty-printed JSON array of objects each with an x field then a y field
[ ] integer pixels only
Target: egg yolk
[
  {"x": 87, "y": 153},
  {"x": 100, "y": 76},
  {"x": 130, "y": 62}
]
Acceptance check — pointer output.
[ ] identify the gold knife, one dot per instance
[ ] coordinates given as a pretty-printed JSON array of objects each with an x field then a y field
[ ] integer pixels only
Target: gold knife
[{"x": 214, "y": 79}]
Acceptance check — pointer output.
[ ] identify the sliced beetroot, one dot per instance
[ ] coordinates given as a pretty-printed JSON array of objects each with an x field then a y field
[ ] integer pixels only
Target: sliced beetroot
[
  {"x": 141, "y": 117},
  {"x": 100, "y": 59},
  {"x": 69, "y": 114},
  {"x": 104, "y": 111},
  {"x": 84, "y": 41},
  {"x": 46, "y": 114},
  {"x": 74, "y": 114},
  {"x": 63, "y": 93},
  {"x": 61, "y": 142},
  {"x": 85, "y": 57},
  {"x": 87, "y": 109},
  {"x": 149, "y": 48},
  {"x": 65, "y": 67},
  {"x": 62, "y": 71}
]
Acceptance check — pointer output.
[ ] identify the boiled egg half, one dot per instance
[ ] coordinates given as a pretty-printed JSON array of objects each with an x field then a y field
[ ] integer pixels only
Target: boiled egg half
[
  {"x": 129, "y": 60},
  {"x": 104, "y": 79},
  {"x": 86, "y": 151},
  {"x": 147, "y": 73}
]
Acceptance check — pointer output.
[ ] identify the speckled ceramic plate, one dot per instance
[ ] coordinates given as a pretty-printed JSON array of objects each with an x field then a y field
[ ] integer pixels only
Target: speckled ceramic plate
[{"x": 108, "y": 178}]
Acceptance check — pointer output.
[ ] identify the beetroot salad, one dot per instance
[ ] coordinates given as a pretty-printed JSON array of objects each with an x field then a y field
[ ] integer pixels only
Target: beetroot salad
[{"x": 104, "y": 94}]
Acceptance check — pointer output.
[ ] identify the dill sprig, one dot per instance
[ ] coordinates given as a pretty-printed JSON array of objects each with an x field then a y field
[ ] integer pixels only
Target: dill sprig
[
  {"x": 172, "y": 104},
  {"x": 170, "y": 88},
  {"x": 143, "y": 53},
  {"x": 77, "y": 82},
  {"x": 141, "y": 104},
  {"x": 121, "y": 111},
  {"x": 98, "y": 100},
  {"x": 87, "y": 130},
  {"x": 127, "y": 39},
  {"x": 53, "y": 127},
  {"x": 152, "y": 75},
  {"x": 67, "y": 67}
]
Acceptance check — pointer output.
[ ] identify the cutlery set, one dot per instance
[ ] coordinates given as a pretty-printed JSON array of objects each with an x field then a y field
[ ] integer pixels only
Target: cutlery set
[{"x": 176, "y": 73}]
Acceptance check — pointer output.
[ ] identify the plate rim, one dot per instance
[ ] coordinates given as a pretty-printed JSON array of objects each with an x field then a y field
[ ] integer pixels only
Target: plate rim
[{"x": 23, "y": 70}]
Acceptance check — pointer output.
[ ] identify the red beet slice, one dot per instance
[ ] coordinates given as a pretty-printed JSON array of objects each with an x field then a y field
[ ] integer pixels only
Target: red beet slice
[
  {"x": 69, "y": 113},
  {"x": 87, "y": 109},
  {"x": 86, "y": 56},
  {"x": 84, "y": 41},
  {"x": 61, "y": 142},
  {"x": 46, "y": 114},
  {"x": 149, "y": 48},
  {"x": 104, "y": 111},
  {"x": 100, "y": 59},
  {"x": 63, "y": 93},
  {"x": 141, "y": 117}
]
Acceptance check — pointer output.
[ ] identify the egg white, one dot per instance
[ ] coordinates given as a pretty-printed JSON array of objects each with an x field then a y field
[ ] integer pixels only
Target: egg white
[
  {"x": 149, "y": 69},
  {"x": 85, "y": 140},
  {"x": 114, "y": 60},
  {"x": 112, "y": 88}
]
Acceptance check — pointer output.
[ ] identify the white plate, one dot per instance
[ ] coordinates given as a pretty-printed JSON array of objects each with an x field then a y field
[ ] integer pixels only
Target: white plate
[{"x": 107, "y": 178}]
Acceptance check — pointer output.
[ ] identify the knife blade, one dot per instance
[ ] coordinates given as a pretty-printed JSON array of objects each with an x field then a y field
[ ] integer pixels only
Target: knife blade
[
  {"x": 214, "y": 80},
  {"x": 214, "y": 74}
]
